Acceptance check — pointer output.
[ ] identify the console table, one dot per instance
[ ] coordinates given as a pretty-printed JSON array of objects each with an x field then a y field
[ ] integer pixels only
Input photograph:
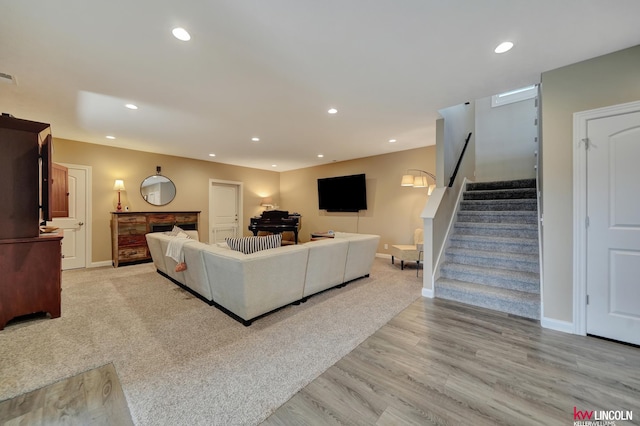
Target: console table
[
  {"x": 128, "y": 230},
  {"x": 31, "y": 274}
]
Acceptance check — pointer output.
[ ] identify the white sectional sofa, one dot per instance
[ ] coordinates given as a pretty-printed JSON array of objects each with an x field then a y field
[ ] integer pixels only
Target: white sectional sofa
[{"x": 248, "y": 286}]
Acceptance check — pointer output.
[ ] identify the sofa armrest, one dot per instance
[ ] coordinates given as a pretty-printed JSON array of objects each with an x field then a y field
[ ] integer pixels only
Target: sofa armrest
[
  {"x": 155, "y": 250},
  {"x": 361, "y": 254}
]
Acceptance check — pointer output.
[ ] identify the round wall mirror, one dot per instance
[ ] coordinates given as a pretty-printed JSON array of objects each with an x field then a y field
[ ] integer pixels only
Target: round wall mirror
[{"x": 158, "y": 190}]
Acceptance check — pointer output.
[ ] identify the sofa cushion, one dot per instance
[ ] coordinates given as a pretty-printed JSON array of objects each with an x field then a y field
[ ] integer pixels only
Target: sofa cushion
[{"x": 248, "y": 245}]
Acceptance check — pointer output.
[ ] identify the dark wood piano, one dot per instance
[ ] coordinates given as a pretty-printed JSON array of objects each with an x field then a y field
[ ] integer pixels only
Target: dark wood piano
[{"x": 276, "y": 222}]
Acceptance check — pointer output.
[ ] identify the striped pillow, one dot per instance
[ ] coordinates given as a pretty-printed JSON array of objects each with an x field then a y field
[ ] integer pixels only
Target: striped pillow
[{"x": 248, "y": 245}]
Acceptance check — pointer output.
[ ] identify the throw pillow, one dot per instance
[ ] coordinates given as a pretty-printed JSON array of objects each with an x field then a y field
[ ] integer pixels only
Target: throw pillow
[
  {"x": 248, "y": 245},
  {"x": 177, "y": 231}
]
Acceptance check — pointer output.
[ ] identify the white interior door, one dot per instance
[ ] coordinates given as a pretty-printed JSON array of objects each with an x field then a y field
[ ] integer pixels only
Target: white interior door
[
  {"x": 613, "y": 232},
  {"x": 225, "y": 210},
  {"x": 74, "y": 243}
]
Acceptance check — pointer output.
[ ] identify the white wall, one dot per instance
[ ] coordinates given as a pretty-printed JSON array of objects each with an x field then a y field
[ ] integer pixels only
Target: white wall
[
  {"x": 459, "y": 121},
  {"x": 506, "y": 140}
]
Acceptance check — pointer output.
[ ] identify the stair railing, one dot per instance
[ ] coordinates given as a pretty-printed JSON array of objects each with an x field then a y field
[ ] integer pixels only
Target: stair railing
[{"x": 455, "y": 171}]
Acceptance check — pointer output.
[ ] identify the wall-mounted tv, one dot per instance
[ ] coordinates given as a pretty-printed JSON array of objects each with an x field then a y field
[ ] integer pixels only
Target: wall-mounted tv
[{"x": 342, "y": 193}]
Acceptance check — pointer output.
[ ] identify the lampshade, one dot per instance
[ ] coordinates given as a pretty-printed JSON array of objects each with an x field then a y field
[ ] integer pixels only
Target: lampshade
[
  {"x": 118, "y": 185},
  {"x": 420, "y": 182},
  {"x": 407, "y": 180},
  {"x": 267, "y": 202}
]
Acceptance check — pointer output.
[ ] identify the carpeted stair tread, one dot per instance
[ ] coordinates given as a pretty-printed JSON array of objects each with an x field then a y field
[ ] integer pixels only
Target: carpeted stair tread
[
  {"x": 513, "y": 230},
  {"x": 504, "y": 184},
  {"x": 492, "y": 216},
  {"x": 503, "y": 260},
  {"x": 493, "y": 243},
  {"x": 504, "y": 300},
  {"x": 519, "y": 204},
  {"x": 500, "y": 194},
  {"x": 514, "y": 280}
]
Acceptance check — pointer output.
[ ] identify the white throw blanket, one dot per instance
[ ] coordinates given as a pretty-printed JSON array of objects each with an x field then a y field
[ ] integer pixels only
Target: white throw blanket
[{"x": 174, "y": 248}]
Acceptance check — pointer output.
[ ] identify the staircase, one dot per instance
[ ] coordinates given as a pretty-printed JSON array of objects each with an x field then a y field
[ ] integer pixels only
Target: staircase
[{"x": 492, "y": 260}]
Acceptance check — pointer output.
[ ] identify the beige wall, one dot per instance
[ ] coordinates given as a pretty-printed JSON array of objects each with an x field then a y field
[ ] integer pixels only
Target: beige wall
[
  {"x": 191, "y": 178},
  {"x": 393, "y": 211},
  {"x": 607, "y": 80}
]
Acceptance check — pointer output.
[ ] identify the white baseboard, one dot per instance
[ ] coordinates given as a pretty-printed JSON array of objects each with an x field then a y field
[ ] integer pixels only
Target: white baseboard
[
  {"x": 557, "y": 325},
  {"x": 100, "y": 264},
  {"x": 383, "y": 255},
  {"x": 428, "y": 292}
]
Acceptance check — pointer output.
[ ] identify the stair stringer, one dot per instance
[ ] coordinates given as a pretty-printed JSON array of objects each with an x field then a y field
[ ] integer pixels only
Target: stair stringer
[
  {"x": 447, "y": 238},
  {"x": 540, "y": 224}
]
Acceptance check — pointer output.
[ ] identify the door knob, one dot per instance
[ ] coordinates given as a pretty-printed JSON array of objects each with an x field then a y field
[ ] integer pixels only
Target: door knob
[{"x": 80, "y": 223}]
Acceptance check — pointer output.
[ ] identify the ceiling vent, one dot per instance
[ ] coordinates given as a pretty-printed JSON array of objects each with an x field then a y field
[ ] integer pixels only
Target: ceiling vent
[{"x": 7, "y": 78}]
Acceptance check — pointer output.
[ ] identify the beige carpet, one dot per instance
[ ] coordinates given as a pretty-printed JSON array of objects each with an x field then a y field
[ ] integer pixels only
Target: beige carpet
[{"x": 182, "y": 362}]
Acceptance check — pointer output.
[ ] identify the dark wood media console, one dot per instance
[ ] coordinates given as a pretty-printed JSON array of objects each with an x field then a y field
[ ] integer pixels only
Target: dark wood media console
[{"x": 31, "y": 276}]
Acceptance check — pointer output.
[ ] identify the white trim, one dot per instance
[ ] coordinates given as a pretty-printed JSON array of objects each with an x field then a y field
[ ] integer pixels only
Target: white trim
[
  {"x": 88, "y": 210},
  {"x": 428, "y": 292},
  {"x": 557, "y": 325},
  {"x": 101, "y": 264},
  {"x": 580, "y": 123},
  {"x": 383, "y": 255}
]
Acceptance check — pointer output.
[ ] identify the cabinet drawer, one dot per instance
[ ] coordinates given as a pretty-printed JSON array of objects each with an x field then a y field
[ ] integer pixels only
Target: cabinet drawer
[
  {"x": 162, "y": 218},
  {"x": 187, "y": 218},
  {"x": 132, "y": 219},
  {"x": 131, "y": 240},
  {"x": 132, "y": 253},
  {"x": 132, "y": 228}
]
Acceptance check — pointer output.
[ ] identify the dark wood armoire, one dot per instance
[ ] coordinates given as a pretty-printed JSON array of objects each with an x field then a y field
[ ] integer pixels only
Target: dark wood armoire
[{"x": 30, "y": 261}]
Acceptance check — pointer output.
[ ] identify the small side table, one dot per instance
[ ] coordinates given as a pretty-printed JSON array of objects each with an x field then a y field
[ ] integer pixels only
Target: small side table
[{"x": 321, "y": 235}]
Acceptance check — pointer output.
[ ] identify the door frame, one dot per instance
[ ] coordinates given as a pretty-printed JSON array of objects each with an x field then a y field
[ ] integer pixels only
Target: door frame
[
  {"x": 240, "y": 206},
  {"x": 580, "y": 122},
  {"x": 88, "y": 259}
]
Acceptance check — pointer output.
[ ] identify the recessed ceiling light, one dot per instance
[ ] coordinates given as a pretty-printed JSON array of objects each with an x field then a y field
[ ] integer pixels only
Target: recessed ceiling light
[
  {"x": 110, "y": 137},
  {"x": 320, "y": 155},
  {"x": 181, "y": 34},
  {"x": 504, "y": 47},
  {"x": 255, "y": 139},
  {"x": 274, "y": 165},
  {"x": 131, "y": 106},
  {"x": 332, "y": 111},
  {"x": 392, "y": 141},
  {"x": 212, "y": 155}
]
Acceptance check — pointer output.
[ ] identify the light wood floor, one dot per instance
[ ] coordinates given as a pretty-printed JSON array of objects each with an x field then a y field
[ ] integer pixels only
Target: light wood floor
[
  {"x": 94, "y": 397},
  {"x": 440, "y": 362},
  {"x": 437, "y": 362}
]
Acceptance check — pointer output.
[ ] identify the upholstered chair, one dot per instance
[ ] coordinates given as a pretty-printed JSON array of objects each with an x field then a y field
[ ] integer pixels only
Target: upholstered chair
[{"x": 408, "y": 252}]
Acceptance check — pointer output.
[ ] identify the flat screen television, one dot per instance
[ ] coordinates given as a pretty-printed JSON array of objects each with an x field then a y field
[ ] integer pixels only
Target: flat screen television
[{"x": 342, "y": 193}]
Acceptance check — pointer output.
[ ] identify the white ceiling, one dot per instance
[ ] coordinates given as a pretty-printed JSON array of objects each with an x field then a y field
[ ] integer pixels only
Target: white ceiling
[{"x": 272, "y": 68}]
